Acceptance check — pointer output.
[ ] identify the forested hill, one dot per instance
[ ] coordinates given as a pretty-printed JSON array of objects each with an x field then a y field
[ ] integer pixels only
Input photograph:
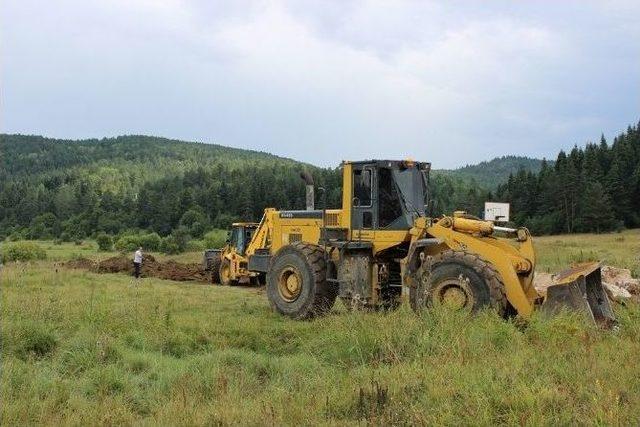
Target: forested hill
[
  {"x": 490, "y": 174},
  {"x": 50, "y": 187},
  {"x": 53, "y": 188},
  {"x": 25, "y": 154}
]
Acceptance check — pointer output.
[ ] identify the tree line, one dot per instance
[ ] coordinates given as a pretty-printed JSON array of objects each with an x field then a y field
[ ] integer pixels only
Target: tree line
[
  {"x": 70, "y": 190},
  {"x": 590, "y": 189}
]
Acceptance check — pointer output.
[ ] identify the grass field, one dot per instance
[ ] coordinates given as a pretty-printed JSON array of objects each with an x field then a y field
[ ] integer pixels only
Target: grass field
[
  {"x": 82, "y": 348},
  {"x": 618, "y": 249}
]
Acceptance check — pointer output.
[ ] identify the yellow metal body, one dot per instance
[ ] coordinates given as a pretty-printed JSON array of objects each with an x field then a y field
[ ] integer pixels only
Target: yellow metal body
[
  {"x": 513, "y": 259},
  {"x": 238, "y": 262}
]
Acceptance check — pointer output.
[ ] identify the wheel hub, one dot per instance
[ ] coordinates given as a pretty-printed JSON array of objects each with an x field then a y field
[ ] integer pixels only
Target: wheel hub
[
  {"x": 289, "y": 284},
  {"x": 455, "y": 294}
]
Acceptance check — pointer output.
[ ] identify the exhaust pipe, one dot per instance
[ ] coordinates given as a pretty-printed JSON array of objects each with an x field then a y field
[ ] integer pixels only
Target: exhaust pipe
[{"x": 310, "y": 196}]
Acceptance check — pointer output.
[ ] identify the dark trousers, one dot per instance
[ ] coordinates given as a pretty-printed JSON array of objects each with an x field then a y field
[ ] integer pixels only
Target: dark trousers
[{"x": 136, "y": 269}]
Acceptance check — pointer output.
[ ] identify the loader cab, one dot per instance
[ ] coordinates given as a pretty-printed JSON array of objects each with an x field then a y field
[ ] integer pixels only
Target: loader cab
[
  {"x": 385, "y": 194},
  {"x": 240, "y": 236}
]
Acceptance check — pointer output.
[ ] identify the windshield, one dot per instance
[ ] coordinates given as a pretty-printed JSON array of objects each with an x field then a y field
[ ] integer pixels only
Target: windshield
[{"x": 412, "y": 186}]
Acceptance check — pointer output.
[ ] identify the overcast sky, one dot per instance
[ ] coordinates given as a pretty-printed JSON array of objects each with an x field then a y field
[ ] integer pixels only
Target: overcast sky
[{"x": 450, "y": 82}]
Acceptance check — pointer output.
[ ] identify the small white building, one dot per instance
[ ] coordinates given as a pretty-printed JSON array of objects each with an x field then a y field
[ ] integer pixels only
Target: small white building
[{"x": 496, "y": 212}]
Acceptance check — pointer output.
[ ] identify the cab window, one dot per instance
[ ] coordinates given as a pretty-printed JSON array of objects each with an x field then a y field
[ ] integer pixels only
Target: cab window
[
  {"x": 362, "y": 187},
  {"x": 389, "y": 202}
]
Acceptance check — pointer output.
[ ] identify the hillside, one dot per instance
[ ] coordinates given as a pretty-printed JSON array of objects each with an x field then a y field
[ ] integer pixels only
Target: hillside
[
  {"x": 50, "y": 186},
  {"x": 54, "y": 186},
  {"x": 30, "y": 154},
  {"x": 490, "y": 174}
]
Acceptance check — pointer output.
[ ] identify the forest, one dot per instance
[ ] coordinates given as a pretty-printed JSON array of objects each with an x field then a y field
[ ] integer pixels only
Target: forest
[
  {"x": 70, "y": 190},
  {"x": 590, "y": 189}
]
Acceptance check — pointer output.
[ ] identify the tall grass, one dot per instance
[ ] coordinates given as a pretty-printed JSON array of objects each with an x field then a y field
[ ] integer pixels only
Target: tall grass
[
  {"x": 618, "y": 249},
  {"x": 80, "y": 348}
]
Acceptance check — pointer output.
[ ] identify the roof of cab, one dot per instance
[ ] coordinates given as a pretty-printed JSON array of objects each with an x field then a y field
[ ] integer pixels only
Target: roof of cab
[{"x": 386, "y": 163}]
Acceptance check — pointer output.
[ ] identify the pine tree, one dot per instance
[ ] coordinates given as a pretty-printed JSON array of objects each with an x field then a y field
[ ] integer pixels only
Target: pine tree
[{"x": 596, "y": 209}]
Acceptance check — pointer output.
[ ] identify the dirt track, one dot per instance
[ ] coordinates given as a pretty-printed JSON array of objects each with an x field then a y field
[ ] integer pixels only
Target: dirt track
[{"x": 170, "y": 270}]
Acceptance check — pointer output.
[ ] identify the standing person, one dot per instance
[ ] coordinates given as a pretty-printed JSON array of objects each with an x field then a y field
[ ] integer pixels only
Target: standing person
[{"x": 137, "y": 262}]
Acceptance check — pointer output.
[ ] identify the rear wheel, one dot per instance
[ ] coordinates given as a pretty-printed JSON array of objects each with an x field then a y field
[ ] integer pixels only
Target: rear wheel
[
  {"x": 460, "y": 280},
  {"x": 225, "y": 274},
  {"x": 215, "y": 270},
  {"x": 297, "y": 282}
]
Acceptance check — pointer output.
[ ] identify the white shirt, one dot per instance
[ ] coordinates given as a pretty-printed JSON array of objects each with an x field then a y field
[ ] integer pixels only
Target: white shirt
[{"x": 137, "y": 257}]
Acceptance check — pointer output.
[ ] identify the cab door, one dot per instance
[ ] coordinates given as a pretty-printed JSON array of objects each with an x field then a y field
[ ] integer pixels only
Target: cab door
[{"x": 363, "y": 214}]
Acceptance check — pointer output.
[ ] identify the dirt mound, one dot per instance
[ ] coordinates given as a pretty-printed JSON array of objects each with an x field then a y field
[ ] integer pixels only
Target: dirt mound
[
  {"x": 621, "y": 277},
  {"x": 81, "y": 263},
  {"x": 541, "y": 281},
  {"x": 170, "y": 270}
]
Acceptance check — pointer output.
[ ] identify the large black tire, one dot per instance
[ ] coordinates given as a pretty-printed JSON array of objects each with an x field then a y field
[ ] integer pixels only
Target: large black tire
[
  {"x": 225, "y": 274},
  {"x": 460, "y": 278},
  {"x": 215, "y": 270},
  {"x": 297, "y": 284}
]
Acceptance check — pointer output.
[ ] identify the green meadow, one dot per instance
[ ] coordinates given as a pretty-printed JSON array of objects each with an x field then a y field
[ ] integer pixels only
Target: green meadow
[{"x": 81, "y": 349}]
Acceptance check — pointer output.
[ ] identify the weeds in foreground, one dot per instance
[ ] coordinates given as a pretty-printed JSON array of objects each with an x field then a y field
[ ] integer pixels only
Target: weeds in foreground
[{"x": 80, "y": 348}]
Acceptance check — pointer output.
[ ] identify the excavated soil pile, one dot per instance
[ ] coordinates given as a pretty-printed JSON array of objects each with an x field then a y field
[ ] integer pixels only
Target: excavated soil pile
[
  {"x": 170, "y": 270},
  {"x": 81, "y": 263}
]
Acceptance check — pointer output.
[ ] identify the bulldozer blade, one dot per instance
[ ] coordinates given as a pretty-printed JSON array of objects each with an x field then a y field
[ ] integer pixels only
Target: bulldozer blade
[{"x": 579, "y": 288}]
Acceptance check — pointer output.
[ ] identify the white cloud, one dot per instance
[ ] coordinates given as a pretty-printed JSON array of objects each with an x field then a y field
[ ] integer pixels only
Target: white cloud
[{"x": 323, "y": 81}]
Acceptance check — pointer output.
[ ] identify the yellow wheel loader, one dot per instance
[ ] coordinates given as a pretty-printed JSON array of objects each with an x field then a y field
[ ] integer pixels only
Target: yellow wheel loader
[
  {"x": 383, "y": 243},
  {"x": 228, "y": 266}
]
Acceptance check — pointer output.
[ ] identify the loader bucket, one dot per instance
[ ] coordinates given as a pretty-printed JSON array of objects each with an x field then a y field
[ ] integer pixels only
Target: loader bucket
[{"x": 580, "y": 288}]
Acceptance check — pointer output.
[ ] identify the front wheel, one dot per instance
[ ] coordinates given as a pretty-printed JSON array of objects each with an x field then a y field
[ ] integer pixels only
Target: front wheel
[
  {"x": 215, "y": 269},
  {"x": 459, "y": 280},
  {"x": 297, "y": 284}
]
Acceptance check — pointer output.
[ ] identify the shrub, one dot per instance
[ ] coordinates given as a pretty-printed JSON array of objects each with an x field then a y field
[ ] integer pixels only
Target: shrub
[
  {"x": 131, "y": 242},
  {"x": 195, "y": 221},
  {"x": 195, "y": 245},
  {"x": 128, "y": 243},
  {"x": 105, "y": 242},
  {"x": 150, "y": 242},
  {"x": 176, "y": 242},
  {"x": 215, "y": 239},
  {"x": 22, "y": 251},
  {"x": 65, "y": 237},
  {"x": 169, "y": 246},
  {"x": 181, "y": 236}
]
